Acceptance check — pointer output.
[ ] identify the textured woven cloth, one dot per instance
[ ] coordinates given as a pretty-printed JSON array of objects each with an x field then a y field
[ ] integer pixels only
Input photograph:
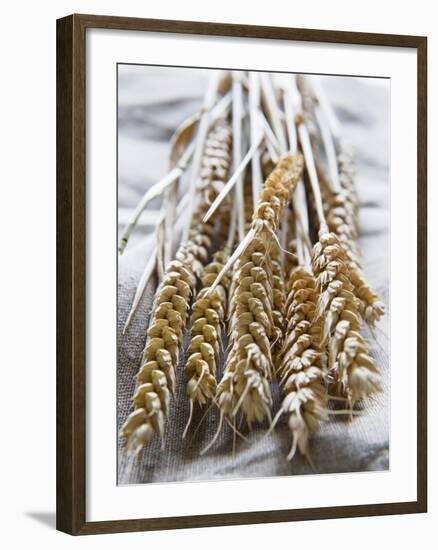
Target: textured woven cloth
[{"x": 152, "y": 102}]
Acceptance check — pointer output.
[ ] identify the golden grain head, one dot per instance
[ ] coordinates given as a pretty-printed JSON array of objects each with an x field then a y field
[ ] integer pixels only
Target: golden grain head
[
  {"x": 278, "y": 190},
  {"x": 349, "y": 362},
  {"x": 301, "y": 369},
  {"x": 341, "y": 215},
  {"x": 208, "y": 316}
]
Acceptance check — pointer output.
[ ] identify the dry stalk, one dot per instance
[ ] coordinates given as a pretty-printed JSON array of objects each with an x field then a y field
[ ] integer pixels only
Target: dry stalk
[
  {"x": 215, "y": 84},
  {"x": 156, "y": 376},
  {"x": 253, "y": 329},
  {"x": 316, "y": 119},
  {"x": 237, "y": 125},
  {"x": 255, "y": 121},
  {"x": 154, "y": 191},
  {"x": 248, "y": 202},
  {"x": 308, "y": 99}
]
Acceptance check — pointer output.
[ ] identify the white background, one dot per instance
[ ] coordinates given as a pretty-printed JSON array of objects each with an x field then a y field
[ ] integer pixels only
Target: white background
[{"x": 28, "y": 271}]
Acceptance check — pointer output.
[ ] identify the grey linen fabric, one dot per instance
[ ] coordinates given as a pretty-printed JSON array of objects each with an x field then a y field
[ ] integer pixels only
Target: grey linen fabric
[{"x": 152, "y": 102}]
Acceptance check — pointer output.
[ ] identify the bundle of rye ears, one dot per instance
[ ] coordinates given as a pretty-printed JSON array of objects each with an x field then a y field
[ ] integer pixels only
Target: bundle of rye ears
[{"x": 266, "y": 265}]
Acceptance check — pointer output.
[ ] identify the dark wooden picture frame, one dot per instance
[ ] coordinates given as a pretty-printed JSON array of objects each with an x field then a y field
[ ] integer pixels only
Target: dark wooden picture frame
[{"x": 71, "y": 272}]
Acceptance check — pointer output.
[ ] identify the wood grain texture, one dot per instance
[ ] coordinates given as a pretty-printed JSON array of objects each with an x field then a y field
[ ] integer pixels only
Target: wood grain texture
[
  {"x": 71, "y": 231},
  {"x": 71, "y": 270},
  {"x": 422, "y": 275}
]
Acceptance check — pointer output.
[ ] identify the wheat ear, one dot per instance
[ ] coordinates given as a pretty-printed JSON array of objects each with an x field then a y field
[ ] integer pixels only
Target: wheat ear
[
  {"x": 350, "y": 365},
  {"x": 340, "y": 217},
  {"x": 248, "y": 369},
  {"x": 341, "y": 214},
  {"x": 371, "y": 306},
  {"x": 208, "y": 316},
  {"x": 349, "y": 362},
  {"x": 156, "y": 376},
  {"x": 347, "y": 174},
  {"x": 301, "y": 369}
]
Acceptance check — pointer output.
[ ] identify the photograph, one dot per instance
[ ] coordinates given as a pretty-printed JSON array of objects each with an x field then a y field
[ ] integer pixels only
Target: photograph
[{"x": 253, "y": 297}]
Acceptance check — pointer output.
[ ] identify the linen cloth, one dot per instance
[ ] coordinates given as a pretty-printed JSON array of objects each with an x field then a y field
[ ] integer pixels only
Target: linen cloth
[{"x": 152, "y": 102}]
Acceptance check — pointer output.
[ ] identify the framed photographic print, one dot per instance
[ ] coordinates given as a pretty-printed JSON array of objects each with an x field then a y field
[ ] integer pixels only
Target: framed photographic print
[{"x": 241, "y": 274}]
